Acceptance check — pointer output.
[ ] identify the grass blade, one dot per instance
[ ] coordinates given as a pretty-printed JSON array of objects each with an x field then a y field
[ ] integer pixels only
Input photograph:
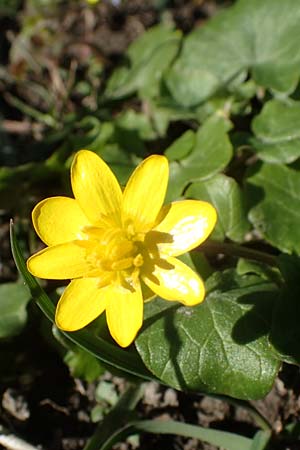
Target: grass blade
[
  {"x": 108, "y": 353},
  {"x": 222, "y": 439}
]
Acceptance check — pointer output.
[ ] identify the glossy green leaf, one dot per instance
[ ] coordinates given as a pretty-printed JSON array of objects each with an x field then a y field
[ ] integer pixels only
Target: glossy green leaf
[
  {"x": 14, "y": 298},
  {"x": 277, "y": 132},
  {"x": 224, "y": 193},
  {"x": 125, "y": 360},
  {"x": 259, "y": 36},
  {"x": 211, "y": 152},
  {"x": 276, "y": 214},
  {"x": 149, "y": 56},
  {"x": 220, "y": 346}
]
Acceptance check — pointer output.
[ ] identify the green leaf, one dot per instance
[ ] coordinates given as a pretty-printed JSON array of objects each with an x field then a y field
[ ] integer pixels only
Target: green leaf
[
  {"x": 276, "y": 214},
  {"x": 197, "y": 261},
  {"x": 181, "y": 147},
  {"x": 149, "y": 56},
  {"x": 13, "y": 315},
  {"x": 93, "y": 134},
  {"x": 229, "y": 280},
  {"x": 259, "y": 36},
  {"x": 220, "y": 346},
  {"x": 277, "y": 132},
  {"x": 121, "y": 162},
  {"x": 118, "y": 143},
  {"x": 224, "y": 193},
  {"x": 261, "y": 440},
  {"x": 139, "y": 123},
  {"x": 264, "y": 271},
  {"x": 83, "y": 365},
  {"x": 108, "y": 353},
  {"x": 211, "y": 152},
  {"x": 163, "y": 109},
  {"x": 222, "y": 439},
  {"x": 285, "y": 332}
]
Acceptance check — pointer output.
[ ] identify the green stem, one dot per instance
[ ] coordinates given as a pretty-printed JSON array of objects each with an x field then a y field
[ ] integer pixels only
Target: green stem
[
  {"x": 240, "y": 251},
  {"x": 47, "y": 119}
]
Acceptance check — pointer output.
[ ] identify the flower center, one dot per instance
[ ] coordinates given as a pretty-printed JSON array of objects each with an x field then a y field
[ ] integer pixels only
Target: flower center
[{"x": 116, "y": 252}]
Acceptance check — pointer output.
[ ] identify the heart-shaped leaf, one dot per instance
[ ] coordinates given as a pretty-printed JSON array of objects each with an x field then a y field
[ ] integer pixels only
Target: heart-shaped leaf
[
  {"x": 277, "y": 132},
  {"x": 220, "y": 346},
  {"x": 149, "y": 56},
  {"x": 224, "y": 193},
  {"x": 210, "y": 153},
  {"x": 276, "y": 214},
  {"x": 259, "y": 36}
]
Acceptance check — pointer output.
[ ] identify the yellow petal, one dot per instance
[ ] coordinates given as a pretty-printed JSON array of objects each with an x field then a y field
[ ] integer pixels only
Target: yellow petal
[
  {"x": 95, "y": 187},
  {"x": 124, "y": 313},
  {"x": 175, "y": 281},
  {"x": 189, "y": 223},
  {"x": 60, "y": 262},
  {"x": 145, "y": 192},
  {"x": 81, "y": 302},
  {"x": 58, "y": 220}
]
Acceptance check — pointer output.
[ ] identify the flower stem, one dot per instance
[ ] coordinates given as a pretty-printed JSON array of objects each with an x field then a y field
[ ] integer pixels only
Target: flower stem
[{"x": 240, "y": 251}]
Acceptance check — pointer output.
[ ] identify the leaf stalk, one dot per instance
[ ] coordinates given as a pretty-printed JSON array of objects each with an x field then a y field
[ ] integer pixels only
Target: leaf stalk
[{"x": 240, "y": 251}]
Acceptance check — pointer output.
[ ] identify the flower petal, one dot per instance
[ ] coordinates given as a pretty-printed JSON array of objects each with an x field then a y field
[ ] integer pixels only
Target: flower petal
[
  {"x": 95, "y": 187},
  {"x": 175, "y": 281},
  {"x": 145, "y": 192},
  {"x": 124, "y": 313},
  {"x": 58, "y": 220},
  {"x": 60, "y": 262},
  {"x": 189, "y": 222},
  {"x": 81, "y": 302}
]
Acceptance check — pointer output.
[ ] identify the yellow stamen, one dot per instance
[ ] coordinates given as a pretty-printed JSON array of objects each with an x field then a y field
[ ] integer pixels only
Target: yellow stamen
[
  {"x": 122, "y": 264},
  {"x": 138, "y": 260}
]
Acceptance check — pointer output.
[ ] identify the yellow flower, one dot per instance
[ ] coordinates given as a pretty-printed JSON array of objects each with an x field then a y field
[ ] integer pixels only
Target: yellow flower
[{"x": 118, "y": 246}]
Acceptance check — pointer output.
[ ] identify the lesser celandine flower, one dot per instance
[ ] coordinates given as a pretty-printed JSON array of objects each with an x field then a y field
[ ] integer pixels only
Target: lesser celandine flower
[{"x": 118, "y": 246}]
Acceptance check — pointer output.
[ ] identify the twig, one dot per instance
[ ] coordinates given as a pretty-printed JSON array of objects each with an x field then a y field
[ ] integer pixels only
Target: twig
[
  {"x": 12, "y": 442},
  {"x": 22, "y": 127}
]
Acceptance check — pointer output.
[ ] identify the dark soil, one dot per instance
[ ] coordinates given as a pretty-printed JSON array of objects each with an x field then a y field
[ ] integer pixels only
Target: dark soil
[{"x": 44, "y": 404}]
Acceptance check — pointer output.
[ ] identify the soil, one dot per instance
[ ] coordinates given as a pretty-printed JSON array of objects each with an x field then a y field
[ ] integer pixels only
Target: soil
[
  {"x": 46, "y": 406},
  {"x": 39, "y": 399}
]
